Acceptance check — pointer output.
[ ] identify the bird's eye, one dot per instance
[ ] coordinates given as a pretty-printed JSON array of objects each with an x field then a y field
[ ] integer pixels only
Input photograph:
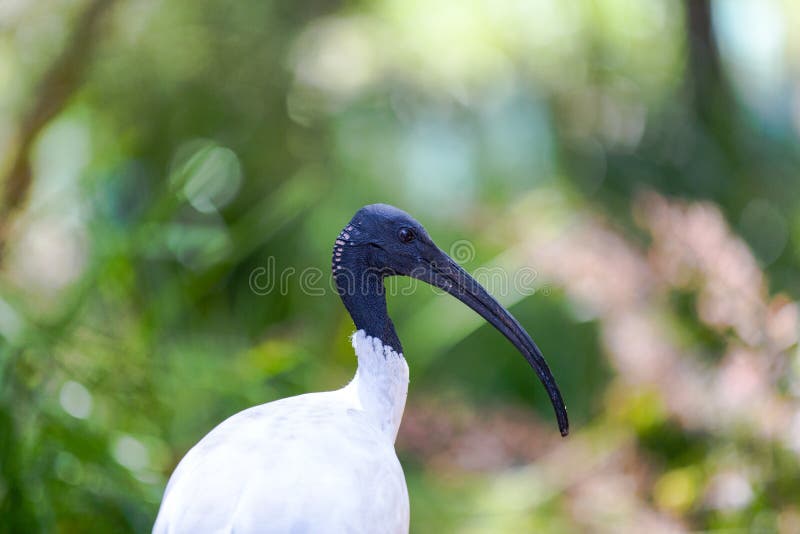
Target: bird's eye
[{"x": 406, "y": 235}]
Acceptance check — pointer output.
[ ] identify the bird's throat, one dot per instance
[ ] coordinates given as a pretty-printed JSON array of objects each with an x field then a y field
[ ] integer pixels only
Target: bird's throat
[
  {"x": 363, "y": 292},
  {"x": 366, "y": 303}
]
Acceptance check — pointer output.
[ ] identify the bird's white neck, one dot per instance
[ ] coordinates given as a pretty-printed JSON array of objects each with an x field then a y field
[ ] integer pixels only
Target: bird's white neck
[{"x": 381, "y": 382}]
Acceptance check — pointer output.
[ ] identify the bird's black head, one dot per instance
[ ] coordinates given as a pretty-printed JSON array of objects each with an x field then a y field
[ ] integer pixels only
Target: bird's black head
[
  {"x": 385, "y": 241},
  {"x": 382, "y": 241}
]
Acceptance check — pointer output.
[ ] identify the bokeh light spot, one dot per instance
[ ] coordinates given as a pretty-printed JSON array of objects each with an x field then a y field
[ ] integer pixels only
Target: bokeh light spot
[
  {"x": 208, "y": 175},
  {"x": 75, "y": 399},
  {"x": 131, "y": 453},
  {"x": 676, "y": 490}
]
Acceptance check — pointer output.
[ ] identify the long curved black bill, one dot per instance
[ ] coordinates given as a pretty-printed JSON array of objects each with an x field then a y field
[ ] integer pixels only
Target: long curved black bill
[{"x": 446, "y": 274}]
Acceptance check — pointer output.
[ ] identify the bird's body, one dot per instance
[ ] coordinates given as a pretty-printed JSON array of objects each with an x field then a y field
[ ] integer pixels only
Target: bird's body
[
  {"x": 337, "y": 445},
  {"x": 325, "y": 462}
]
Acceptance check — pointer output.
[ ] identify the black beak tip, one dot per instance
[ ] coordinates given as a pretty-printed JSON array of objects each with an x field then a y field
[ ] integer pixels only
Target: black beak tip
[{"x": 563, "y": 422}]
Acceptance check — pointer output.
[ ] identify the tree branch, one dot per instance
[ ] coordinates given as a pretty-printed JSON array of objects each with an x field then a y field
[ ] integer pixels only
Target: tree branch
[{"x": 58, "y": 85}]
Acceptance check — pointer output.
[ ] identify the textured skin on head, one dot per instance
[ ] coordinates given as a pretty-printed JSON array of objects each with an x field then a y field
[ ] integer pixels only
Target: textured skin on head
[{"x": 342, "y": 240}]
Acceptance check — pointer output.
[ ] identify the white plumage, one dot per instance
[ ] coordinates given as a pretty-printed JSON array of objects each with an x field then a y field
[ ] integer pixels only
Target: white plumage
[{"x": 319, "y": 462}]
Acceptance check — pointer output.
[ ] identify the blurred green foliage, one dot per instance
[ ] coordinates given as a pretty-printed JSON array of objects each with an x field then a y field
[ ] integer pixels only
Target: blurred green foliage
[{"x": 641, "y": 157}]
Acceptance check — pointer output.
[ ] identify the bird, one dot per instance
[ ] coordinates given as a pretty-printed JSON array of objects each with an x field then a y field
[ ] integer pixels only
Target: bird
[{"x": 325, "y": 461}]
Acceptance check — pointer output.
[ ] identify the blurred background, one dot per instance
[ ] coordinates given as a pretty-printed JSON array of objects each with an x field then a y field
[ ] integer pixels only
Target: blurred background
[{"x": 641, "y": 157}]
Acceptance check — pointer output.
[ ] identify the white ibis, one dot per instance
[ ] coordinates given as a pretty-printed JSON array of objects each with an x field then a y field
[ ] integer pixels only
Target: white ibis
[{"x": 325, "y": 462}]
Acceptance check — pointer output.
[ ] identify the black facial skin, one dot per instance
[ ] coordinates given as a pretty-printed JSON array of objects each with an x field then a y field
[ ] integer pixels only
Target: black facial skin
[{"x": 382, "y": 241}]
